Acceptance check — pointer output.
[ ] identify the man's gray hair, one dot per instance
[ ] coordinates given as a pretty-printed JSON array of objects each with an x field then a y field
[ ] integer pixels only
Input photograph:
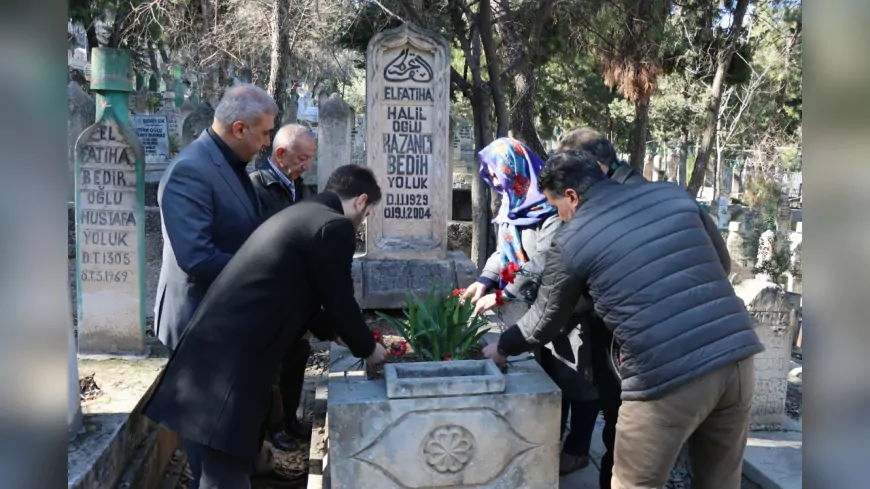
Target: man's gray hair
[
  {"x": 287, "y": 136},
  {"x": 245, "y": 103}
]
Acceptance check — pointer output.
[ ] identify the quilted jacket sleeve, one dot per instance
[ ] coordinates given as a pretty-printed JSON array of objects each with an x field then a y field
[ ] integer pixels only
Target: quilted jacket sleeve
[{"x": 562, "y": 285}]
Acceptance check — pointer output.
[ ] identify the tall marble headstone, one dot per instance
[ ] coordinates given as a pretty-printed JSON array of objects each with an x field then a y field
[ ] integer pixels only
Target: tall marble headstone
[
  {"x": 80, "y": 115},
  {"x": 776, "y": 319},
  {"x": 110, "y": 232},
  {"x": 334, "y": 146},
  {"x": 408, "y": 108},
  {"x": 74, "y": 404},
  {"x": 407, "y": 147}
]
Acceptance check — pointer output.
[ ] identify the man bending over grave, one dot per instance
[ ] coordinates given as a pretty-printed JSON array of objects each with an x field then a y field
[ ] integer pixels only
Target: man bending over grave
[
  {"x": 275, "y": 183},
  {"x": 685, "y": 341},
  {"x": 294, "y": 270}
]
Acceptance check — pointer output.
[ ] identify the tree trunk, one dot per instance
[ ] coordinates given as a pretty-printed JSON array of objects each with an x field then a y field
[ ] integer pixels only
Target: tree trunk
[
  {"x": 280, "y": 38},
  {"x": 493, "y": 67},
  {"x": 638, "y": 134},
  {"x": 523, "y": 113},
  {"x": 716, "y": 91}
]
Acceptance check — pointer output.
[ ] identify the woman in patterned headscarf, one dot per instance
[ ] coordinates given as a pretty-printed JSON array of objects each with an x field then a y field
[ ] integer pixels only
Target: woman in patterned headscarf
[{"x": 526, "y": 223}]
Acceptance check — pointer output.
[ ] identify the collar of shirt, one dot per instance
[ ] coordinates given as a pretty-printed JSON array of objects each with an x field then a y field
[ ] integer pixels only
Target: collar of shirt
[
  {"x": 232, "y": 158},
  {"x": 287, "y": 182}
]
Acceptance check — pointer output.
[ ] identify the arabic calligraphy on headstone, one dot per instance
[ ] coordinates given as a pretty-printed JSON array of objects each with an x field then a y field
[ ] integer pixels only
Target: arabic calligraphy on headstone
[{"x": 408, "y": 66}]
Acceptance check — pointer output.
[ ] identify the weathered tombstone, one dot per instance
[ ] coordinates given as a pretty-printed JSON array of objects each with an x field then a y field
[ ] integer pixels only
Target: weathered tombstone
[
  {"x": 110, "y": 232},
  {"x": 775, "y": 317},
  {"x": 152, "y": 133},
  {"x": 407, "y": 145},
  {"x": 173, "y": 120},
  {"x": 81, "y": 114},
  {"x": 198, "y": 120},
  {"x": 795, "y": 278},
  {"x": 74, "y": 405},
  {"x": 766, "y": 249},
  {"x": 334, "y": 143},
  {"x": 735, "y": 243},
  {"x": 722, "y": 212},
  {"x": 358, "y": 138}
]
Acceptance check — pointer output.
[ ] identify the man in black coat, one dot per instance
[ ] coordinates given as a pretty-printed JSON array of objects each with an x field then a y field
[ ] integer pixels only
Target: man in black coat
[
  {"x": 292, "y": 273},
  {"x": 275, "y": 184},
  {"x": 643, "y": 254}
]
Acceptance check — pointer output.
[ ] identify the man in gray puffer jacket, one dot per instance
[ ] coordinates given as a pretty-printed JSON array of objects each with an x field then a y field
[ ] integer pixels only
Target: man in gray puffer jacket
[{"x": 686, "y": 342}]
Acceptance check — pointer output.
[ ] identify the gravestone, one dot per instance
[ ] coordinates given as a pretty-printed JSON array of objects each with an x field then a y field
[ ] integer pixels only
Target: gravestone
[
  {"x": 407, "y": 146},
  {"x": 766, "y": 249},
  {"x": 80, "y": 115},
  {"x": 74, "y": 405},
  {"x": 775, "y": 316},
  {"x": 740, "y": 268},
  {"x": 110, "y": 231},
  {"x": 358, "y": 141},
  {"x": 173, "y": 117},
  {"x": 795, "y": 281},
  {"x": 154, "y": 138},
  {"x": 198, "y": 120},
  {"x": 334, "y": 145}
]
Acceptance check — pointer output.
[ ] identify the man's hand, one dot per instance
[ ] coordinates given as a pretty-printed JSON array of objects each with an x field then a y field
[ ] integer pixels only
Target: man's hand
[
  {"x": 491, "y": 351},
  {"x": 475, "y": 291},
  {"x": 485, "y": 303},
  {"x": 377, "y": 357}
]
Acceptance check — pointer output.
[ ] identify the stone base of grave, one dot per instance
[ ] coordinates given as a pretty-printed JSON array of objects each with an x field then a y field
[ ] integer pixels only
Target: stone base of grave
[
  {"x": 382, "y": 284},
  {"x": 489, "y": 439},
  {"x": 118, "y": 447}
]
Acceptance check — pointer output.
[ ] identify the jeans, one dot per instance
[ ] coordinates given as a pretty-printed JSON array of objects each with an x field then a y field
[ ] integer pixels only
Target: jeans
[{"x": 583, "y": 416}]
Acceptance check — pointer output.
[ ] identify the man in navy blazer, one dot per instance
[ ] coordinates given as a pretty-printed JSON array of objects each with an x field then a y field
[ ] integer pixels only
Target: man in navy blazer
[{"x": 208, "y": 205}]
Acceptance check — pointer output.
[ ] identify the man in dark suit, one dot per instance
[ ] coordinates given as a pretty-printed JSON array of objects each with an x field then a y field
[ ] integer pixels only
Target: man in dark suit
[
  {"x": 274, "y": 182},
  {"x": 292, "y": 273},
  {"x": 208, "y": 205}
]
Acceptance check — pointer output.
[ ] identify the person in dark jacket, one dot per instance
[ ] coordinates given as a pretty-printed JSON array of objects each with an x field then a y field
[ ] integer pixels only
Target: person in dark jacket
[
  {"x": 292, "y": 274},
  {"x": 275, "y": 182},
  {"x": 292, "y": 151},
  {"x": 602, "y": 344},
  {"x": 526, "y": 225},
  {"x": 208, "y": 206},
  {"x": 686, "y": 342}
]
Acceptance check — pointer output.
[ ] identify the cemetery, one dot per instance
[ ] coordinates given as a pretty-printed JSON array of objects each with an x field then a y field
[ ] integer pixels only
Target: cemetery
[{"x": 436, "y": 413}]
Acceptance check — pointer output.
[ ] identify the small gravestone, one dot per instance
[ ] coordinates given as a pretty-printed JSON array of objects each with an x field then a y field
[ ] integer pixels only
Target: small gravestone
[
  {"x": 407, "y": 147},
  {"x": 198, "y": 120},
  {"x": 775, "y": 316},
  {"x": 154, "y": 138},
  {"x": 110, "y": 230},
  {"x": 81, "y": 113},
  {"x": 334, "y": 146}
]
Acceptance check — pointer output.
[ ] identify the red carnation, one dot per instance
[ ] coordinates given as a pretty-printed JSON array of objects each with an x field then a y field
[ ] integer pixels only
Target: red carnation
[
  {"x": 399, "y": 349},
  {"x": 447, "y": 357},
  {"x": 499, "y": 300},
  {"x": 509, "y": 273},
  {"x": 377, "y": 335},
  {"x": 458, "y": 292}
]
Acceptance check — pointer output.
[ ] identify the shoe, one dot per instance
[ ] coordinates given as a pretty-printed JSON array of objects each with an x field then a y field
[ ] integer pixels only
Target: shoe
[
  {"x": 571, "y": 463},
  {"x": 283, "y": 441},
  {"x": 298, "y": 430}
]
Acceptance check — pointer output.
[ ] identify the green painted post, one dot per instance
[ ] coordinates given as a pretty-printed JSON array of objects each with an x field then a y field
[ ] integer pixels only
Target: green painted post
[{"x": 110, "y": 216}]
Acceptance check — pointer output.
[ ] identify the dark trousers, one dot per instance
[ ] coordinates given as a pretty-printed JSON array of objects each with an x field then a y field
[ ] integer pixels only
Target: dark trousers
[
  {"x": 216, "y": 469},
  {"x": 609, "y": 396},
  {"x": 583, "y": 416},
  {"x": 287, "y": 391}
]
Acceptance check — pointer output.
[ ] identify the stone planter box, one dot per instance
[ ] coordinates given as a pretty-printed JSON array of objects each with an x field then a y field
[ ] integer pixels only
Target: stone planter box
[{"x": 442, "y": 424}]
